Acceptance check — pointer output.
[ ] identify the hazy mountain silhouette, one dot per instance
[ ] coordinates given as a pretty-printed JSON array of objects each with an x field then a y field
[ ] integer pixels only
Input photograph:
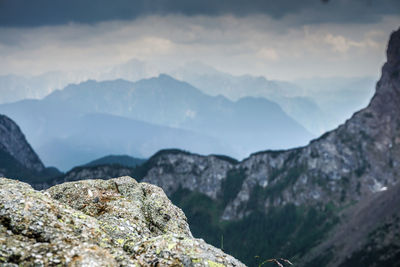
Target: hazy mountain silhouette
[{"x": 66, "y": 121}]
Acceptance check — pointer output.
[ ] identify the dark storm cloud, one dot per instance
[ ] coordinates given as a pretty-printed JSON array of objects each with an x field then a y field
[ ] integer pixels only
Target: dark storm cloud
[{"x": 30, "y": 13}]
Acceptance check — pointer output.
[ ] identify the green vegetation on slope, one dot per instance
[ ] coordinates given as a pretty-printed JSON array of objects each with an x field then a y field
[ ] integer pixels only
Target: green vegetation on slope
[{"x": 288, "y": 231}]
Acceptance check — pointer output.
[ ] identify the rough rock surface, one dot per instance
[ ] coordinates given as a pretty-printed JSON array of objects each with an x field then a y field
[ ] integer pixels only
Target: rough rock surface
[
  {"x": 188, "y": 171},
  {"x": 13, "y": 142},
  {"x": 117, "y": 222}
]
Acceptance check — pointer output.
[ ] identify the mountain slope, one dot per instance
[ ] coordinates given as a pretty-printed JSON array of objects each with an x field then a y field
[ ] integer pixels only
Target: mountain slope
[
  {"x": 316, "y": 111},
  {"x": 17, "y": 158},
  {"x": 13, "y": 143},
  {"x": 76, "y": 139},
  {"x": 369, "y": 236},
  {"x": 166, "y": 101}
]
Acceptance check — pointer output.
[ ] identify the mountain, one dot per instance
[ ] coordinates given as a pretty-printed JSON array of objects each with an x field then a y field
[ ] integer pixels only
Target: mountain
[
  {"x": 349, "y": 94},
  {"x": 123, "y": 160},
  {"x": 17, "y": 158},
  {"x": 16, "y": 87},
  {"x": 13, "y": 142},
  {"x": 286, "y": 202},
  {"x": 68, "y": 140},
  {"x": 312, "y": 102},
  {"x": 166, "y": 101},
  {"x": 152, "y": 114}
]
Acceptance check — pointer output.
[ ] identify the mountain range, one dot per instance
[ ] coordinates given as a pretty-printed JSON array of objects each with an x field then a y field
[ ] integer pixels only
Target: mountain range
[
  {"x": 123, "y": 160},
  {"x": 143, "y": 117},
  {"x": 313, "y": 102}
]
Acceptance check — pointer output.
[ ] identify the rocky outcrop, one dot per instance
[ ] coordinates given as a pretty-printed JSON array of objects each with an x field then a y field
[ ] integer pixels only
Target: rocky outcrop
[
  {"x": 178, "y": 169},
  {"x": 13, "y": 142},
  {"x": 117, "y": 222}
]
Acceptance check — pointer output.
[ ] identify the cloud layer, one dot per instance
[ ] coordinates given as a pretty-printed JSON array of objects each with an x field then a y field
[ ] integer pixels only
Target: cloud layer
[
  {"x": 278, "y": 39},
  {"x": 28, "y": 13},
  {"x": 252, "y": 44}
]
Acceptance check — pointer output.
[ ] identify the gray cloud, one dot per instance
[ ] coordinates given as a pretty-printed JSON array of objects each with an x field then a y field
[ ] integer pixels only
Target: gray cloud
[
  {"x": 255, "y": 44},
  {"x": 28, "y": 13}
]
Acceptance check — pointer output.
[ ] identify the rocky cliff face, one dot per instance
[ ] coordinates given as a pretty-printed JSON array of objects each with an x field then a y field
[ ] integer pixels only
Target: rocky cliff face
[
  {"x": 172, "y": 170},
  {"x": 118, "y": 222},
  {"x": 13, "y": 143}
]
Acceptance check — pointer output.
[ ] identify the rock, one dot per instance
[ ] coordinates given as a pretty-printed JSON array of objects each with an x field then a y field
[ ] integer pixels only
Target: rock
[
  {"x": 117, "y": 222},
  {"x": 180, "y": 169},
  {"x": 126, "y": 209}
]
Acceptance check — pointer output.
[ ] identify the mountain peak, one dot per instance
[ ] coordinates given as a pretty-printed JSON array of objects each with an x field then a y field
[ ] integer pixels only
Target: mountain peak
[
  {"x": 393, "y": 51},
  {"x": 387, "y": 96},
  {"x": 164, "y": 76}
]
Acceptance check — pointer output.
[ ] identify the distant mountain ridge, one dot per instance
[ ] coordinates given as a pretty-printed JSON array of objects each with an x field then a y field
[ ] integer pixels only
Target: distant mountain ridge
[
  {"x": 123, "y": 160},
  {"x": 312, "y": 102},
  {"x": 210, "y": 125}
]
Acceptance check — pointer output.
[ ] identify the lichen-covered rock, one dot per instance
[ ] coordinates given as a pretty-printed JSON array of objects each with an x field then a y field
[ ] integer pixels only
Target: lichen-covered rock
[
  {"x": 118, "y": 222},
  {"x": 125, "y": 208},
  {"x": 177, "y": 250}
]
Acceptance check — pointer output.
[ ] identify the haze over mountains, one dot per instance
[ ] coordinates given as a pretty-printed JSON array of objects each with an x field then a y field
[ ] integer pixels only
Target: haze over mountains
[
  {"x": 142, "y": 117},
  {"x": 312, "y": 102}
]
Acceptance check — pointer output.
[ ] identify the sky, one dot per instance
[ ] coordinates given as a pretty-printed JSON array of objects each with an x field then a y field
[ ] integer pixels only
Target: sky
[{"x": 285, "y": 39}]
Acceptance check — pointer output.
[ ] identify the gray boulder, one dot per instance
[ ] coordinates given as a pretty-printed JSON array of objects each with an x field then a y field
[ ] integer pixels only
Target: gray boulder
[{"x": 118, "y": 222}]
